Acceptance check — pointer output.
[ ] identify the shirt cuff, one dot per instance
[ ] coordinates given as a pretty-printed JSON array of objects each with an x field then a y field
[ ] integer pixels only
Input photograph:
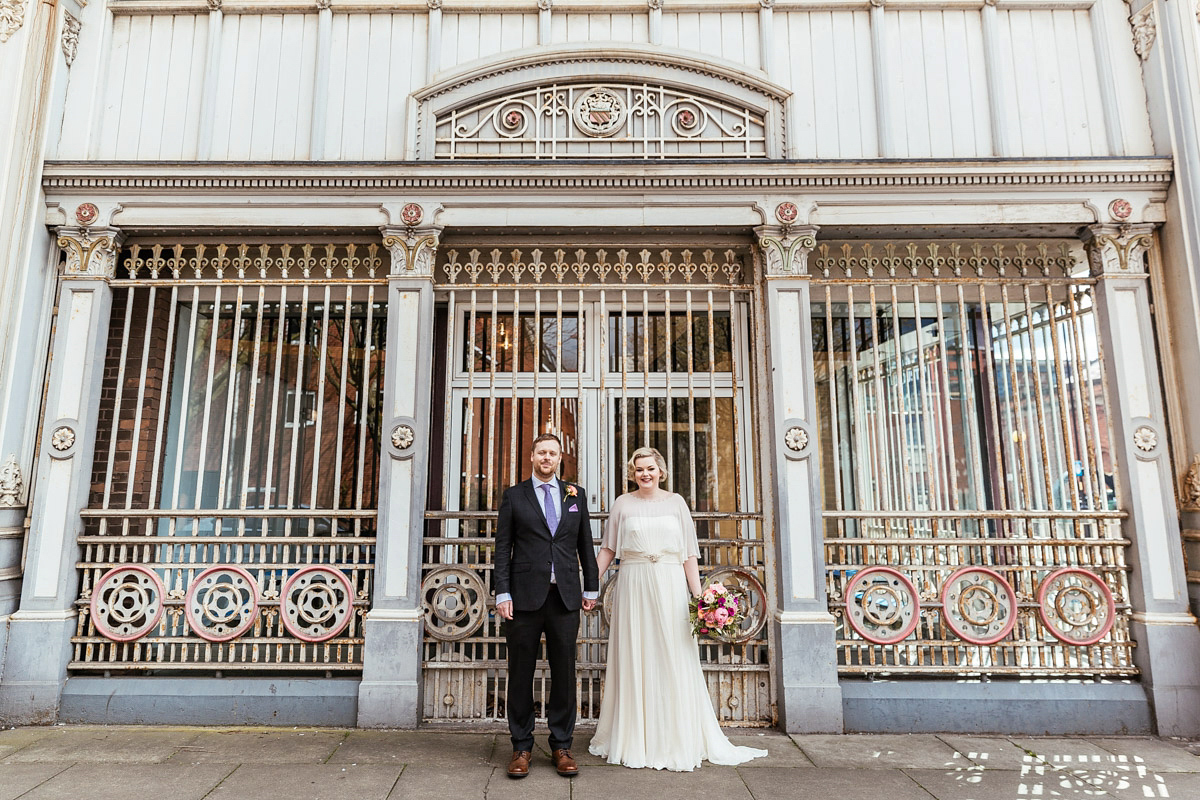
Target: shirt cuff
[
  {"x": 503, "y": 598},
  {"x": 591, "y": 595}
]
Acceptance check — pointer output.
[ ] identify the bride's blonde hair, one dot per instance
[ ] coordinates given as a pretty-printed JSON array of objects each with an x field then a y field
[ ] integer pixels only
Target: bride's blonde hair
[{"x": 647, "y": 452}]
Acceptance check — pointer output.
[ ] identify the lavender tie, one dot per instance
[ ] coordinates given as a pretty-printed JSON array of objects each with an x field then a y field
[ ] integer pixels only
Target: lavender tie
[{"x": 551, "y": 508}]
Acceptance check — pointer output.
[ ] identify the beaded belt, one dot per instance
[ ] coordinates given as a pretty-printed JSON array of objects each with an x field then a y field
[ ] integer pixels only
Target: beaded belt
[{"x": 638, "y": 557}]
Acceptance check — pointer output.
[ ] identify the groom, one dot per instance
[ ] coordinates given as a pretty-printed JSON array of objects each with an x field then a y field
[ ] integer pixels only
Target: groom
[{"x": 543, "y": 538}]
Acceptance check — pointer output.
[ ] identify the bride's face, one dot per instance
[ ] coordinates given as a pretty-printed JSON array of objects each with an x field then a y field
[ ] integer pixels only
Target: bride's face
[{"x": 646, "y": 472}]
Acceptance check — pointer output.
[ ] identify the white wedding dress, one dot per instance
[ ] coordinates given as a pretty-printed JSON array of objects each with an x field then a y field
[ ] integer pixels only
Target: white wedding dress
[{"x": 656, "y": 710}]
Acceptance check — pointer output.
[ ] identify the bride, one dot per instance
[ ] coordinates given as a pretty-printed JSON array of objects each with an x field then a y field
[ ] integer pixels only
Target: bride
[{"x": 656, "y": 710}]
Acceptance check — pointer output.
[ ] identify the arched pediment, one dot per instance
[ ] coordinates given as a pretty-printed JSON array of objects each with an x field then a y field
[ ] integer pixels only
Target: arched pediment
[{"x": 600, "y": 101}]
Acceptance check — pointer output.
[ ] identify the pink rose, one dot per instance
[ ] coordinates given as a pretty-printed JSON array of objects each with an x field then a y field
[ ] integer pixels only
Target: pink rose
[
  {"x": 719, "y": 588},
  {"x": 722, "y": 616},
  {"x": 710, "y": 617}
]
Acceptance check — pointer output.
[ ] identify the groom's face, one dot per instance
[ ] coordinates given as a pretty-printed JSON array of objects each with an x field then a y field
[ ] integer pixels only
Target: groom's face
[{"x": 545, "y": 458}]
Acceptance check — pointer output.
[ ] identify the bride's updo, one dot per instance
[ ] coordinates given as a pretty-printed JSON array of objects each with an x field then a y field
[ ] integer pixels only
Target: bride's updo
[{"x": 647, "y": 452}]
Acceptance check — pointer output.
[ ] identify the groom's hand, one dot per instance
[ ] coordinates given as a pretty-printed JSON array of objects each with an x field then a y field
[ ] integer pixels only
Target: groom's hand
[
  {"x": 588, "y": 605},
  {"x": 505, "y": 609}
]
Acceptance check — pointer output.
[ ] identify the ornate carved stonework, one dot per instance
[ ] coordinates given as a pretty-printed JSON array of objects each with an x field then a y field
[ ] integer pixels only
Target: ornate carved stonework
[
  {"x": 324, "y": 5},
  {"x": 12, "y": 483},
  {"x": 796, "y": 438},
  {"x": 62, "y": 439},
  {"x": 600, "y": 112},
  {"x": 214, "y": 5},
  {"x": 544, "y": 5},
  {"x": 12, "y": 17},
  {"x": 1191, "y": 486},
  {"x": 1144, "y": 31},
  {"x": 1145, "y": 439},
  {"x": 1116, "y": 250},
  {"x": 786, "y": 250},
  {"x": 91, "y": 252},
  {"x": 413, "y": 250},
  {"x": 434, "y": 5},
  {"x": 70, "y": 37},
  {"x": 403, "y": 436}
]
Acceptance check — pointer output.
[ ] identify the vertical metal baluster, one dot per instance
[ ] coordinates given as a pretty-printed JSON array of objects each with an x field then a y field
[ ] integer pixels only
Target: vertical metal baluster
[
  {"x": 602, "y": 367},
  {"x": 227, "y": 432},
  {"x": 1057, "y": 435},
  {"x": 451, "y": 413},
  {"x": 364, "y": 404},
  {"x": 885, "y": 476},
  {"x": 863, "y": 473},
  {"x": 469, "y": 426},
  {"x": 135, "y": 448},
  {"x": 691, "y": 368},
  {"x": 712, "y": 402},
  {"x": 1116, "y": 473},
  {"x": 580, "y": 370},
  {"x": 947, "y": 412},
  {"x": 186, "y": 393},
  {"x": 116, "y": 418},
  {"x": 929, "y": 477},
  {"x": 1014, "y": 405},
  {"x": 298, "y": 403},
  {"x": 985, "y": 325},
  {"x": 967, "y": 376},
  {"x": 645, "y": 368},
  {"x": 280, "y": 340},
  {"x": 668, "y": 399},
  {"x": 834, "y": 406},
  {"x": 1088, "y": 431},
  {"x": 735, "y": 327},
  {"x": 343, "y": 382},
  {"x": 516, "y": 400},
  {"x": 1035, "y": 363},
  {"x": 492, "y": 467},
  {"x": 558, "y": 363},
  {"x": 251, "y": 406},
  {"x": 898, "y": 400},
  {"x": 210, "y": 374},
  {"x": 624, "y": 380},
  {"x": 318, "y": 445},
  {"x": 1062, "y": 400},
  {"x": 537, "y": 362}
]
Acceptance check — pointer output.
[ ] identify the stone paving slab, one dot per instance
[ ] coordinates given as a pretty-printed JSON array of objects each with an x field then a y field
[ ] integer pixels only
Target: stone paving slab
[
  {"x": 125, "y": 781},
  {"x": 1161, "y": 786},
  {"x": 884, "y": 751},
  {"x": 1063, "y": 752},
  {"x": 17, "y": 779},
  {"x": 1155, "y": 754},
  {"x": 542, "y": 783},
  {"x": 462, "y": 783},
  {"x": 306, "y": 782},
  {"x": 772, "y": 783},
  {"x": 622, "y": 783},
  {"x": 14, "y": 739},
  {"x": 992, "y": 752},
  {"x": 415, "y": 747},
  {"x": 105, "y": 745},
  {"x": 260, "y": 747},
  {"x": 1033, "y": 783}
]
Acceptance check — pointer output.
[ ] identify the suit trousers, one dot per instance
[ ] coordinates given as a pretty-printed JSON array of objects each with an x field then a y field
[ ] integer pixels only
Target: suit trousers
[{"x": 523, "y": 634}]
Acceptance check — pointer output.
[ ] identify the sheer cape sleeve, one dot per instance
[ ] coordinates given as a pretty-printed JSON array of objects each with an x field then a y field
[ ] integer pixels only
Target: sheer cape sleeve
[
  {"x": 612, "y": 528},
  {"x": 691, "y": 547}
]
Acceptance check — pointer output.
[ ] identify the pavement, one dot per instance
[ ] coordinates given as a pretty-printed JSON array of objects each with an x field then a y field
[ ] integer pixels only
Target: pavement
[{"x": 103, "y": 762}]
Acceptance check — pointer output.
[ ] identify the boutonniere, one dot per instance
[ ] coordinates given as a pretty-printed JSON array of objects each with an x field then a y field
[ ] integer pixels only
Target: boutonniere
[{"x": 571, "y": 491}]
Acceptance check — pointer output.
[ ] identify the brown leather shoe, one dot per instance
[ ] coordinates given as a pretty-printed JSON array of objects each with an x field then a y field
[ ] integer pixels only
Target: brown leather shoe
[
  {"x": 564, "y": 762},
  {"x": 519, "y": 766}
]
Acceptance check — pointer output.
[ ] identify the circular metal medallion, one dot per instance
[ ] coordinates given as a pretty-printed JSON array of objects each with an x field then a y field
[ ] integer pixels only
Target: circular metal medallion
[
  {"x": 316, "y": 603},
  {"x": 411, "y": 214},
  {"x": 1120, "y": 209},
  {"x": 454, "y": 602},
  {"x": 787, "y": 212},
  {"x": 127, "y": 602},
  {"x": 1076, "y": 606},
  {"x": 86, "y": 213},
  {"x": 222, "y": 603},
  {"x": 978, "y": 605},
  {"x": 600, "y": 112},
  {"x": 882, "y": 605},
  {"x": 749, "y": 591}
]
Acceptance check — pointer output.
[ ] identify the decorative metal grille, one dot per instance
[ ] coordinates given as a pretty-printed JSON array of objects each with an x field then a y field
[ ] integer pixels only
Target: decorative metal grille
[
  {"x": 971, "y": 522},
  {"x": 601, "y": 121},
  {"x": 611, "y": 351},
  {"x": 232, "y": 517}
]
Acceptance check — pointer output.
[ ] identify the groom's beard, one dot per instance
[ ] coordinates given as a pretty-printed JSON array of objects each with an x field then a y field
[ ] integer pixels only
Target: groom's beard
[{"x": 544, "y": 477}]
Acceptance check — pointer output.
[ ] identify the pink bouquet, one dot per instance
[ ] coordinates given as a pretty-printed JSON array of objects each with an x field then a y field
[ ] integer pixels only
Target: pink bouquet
[{"x": 718, "y": 611}]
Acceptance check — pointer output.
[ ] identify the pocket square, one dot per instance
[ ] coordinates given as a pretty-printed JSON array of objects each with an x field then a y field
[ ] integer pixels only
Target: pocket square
[{"x": 573, "y": 508}]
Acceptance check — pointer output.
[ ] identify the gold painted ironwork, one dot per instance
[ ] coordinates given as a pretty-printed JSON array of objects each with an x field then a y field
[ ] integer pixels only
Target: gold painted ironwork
[
  {"x": 240, "y": 425},
  {"x": 612, "y": 349},
  {"x": 964, "y": 422}
]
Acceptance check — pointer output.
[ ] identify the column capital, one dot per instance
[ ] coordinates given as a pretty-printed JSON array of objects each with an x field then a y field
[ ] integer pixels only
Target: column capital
[
  {"x": 1117, "y": 250},
  {"x": 91, "y": 251},
  {"x": 413, "y": 250},
  {"x": 785, "y": 248}
]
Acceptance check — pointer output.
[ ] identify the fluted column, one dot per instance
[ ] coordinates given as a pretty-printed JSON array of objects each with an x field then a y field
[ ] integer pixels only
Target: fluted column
[
  {"x": 40, "y": 630},
  {"x": 390, "y": 692},
  {"x": 1168, "y": 640},
  {"x": 810, "y": 699}
]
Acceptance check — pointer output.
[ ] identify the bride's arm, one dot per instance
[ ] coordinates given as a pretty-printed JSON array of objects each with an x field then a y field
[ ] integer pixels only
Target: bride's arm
[
  {"x": 604, "y": 559},
  {"x": 692, "y": 571}
]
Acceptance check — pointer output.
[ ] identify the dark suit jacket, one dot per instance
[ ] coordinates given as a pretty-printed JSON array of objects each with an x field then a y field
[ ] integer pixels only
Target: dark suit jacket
[{"x": 525, "y": 549}]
